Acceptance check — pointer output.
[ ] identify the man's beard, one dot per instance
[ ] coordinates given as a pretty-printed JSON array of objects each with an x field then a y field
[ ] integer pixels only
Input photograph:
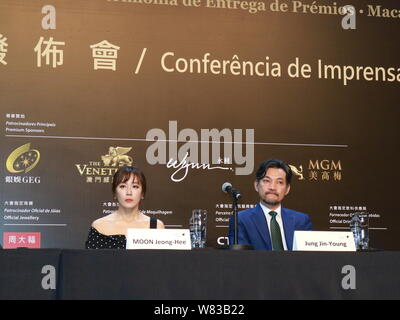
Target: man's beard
[{"x": 270, "y": 203}]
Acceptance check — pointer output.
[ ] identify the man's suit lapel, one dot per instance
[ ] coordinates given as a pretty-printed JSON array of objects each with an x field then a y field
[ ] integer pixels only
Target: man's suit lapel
[
  {"x": 260, "y": 222},
  {"x": 288, "y": 226}
]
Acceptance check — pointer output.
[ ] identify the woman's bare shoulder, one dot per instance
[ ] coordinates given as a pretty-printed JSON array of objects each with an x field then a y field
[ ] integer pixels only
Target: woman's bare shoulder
[
  {"x": 160, "y": 224},
  {"x": 102, "y": 224}
]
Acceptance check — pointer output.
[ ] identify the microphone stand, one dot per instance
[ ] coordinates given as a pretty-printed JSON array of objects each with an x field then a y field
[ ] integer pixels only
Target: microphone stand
[{"x": 235, "y": 245}]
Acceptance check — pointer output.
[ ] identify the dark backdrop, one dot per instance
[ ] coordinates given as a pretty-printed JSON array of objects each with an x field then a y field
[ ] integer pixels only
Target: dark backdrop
[{"x": 341, "y": 135}]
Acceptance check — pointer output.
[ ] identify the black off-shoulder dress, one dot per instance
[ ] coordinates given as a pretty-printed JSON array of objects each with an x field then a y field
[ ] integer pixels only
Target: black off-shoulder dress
[{"x": 97, "y": 240}]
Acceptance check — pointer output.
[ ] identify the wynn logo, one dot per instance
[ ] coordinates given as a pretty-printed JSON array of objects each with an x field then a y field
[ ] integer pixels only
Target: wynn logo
[
  {"x": 227, "y": 147},
  {"x": 22, "y": 159},
  {"x": 102, "y": 171}
]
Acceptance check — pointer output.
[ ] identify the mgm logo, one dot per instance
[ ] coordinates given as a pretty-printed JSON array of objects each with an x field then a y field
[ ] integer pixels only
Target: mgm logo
[{"x": 319, "y": 170}]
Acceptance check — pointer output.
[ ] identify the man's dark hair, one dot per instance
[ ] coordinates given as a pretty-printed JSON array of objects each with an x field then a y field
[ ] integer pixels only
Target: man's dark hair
[{"x": 273, "y": 163}]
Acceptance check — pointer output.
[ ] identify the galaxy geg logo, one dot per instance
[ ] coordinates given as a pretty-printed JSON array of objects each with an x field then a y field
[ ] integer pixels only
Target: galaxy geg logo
[{"x": 21, "y": 161}]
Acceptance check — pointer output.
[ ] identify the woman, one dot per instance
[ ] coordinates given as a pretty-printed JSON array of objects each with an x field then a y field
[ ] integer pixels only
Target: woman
[{"x": 129, "y": 189}]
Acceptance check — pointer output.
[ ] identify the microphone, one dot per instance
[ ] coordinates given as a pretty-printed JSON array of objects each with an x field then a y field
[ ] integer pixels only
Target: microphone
[{"x": 227, "y": 188}]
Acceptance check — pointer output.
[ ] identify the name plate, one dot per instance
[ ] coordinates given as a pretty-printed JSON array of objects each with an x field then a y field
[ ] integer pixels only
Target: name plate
[
  {"x": 160, "y": 239},
  {"x": 323, "y": 241}
]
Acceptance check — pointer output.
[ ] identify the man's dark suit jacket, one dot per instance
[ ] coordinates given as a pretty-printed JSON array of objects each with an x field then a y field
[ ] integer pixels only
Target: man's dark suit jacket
[{"x": 253, "y": 227}]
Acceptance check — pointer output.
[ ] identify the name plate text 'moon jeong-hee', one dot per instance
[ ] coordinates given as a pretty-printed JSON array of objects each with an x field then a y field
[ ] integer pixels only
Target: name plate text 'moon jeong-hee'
[{"x": 158, "y": 239}]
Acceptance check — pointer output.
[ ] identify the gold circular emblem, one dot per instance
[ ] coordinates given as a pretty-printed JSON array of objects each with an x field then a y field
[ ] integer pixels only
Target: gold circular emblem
[{"x": 22, "y": 159}]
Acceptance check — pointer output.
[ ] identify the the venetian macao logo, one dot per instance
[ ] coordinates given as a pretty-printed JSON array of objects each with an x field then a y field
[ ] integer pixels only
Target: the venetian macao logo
[
  {"x": 22, "y": 159},
  {"x": 102, "y": 171},
  {"x": 117, "y": 157}
]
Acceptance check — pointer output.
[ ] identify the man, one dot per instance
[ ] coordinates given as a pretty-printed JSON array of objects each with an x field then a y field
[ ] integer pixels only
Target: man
[{"x": 269, "y": 226}]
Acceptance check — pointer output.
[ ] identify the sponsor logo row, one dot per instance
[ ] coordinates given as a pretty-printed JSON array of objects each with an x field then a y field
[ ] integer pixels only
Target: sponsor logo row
[{"x": 25, "y": 159}]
